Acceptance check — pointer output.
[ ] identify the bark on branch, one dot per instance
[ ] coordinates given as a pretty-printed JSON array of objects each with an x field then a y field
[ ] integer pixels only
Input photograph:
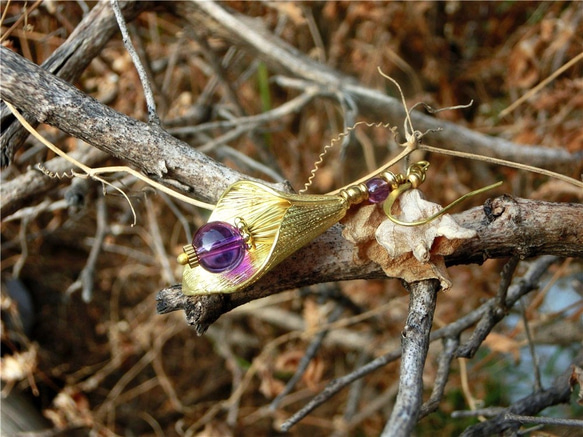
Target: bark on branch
[
  {"x": 146, "y": 147},
  {"x": 69, "y": 61},
  {"x": 505, "y": 226}
]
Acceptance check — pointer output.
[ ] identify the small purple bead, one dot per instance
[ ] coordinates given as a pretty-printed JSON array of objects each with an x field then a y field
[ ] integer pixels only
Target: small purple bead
[
  {"x": 378, "y": 190},
  {"x": 219, "y": 246}
]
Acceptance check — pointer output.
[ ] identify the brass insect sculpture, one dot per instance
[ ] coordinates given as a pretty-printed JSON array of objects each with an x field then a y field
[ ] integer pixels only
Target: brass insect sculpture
[{"x": 253, "y": 227}]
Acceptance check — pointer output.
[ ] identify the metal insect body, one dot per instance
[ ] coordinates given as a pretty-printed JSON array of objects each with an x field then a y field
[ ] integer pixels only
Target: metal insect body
[{"x": 253, "y": 228}]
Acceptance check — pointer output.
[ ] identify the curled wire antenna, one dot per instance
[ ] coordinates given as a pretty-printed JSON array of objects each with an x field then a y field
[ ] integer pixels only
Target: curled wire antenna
[
  {"x": 64, "y": 175},
  {"x": 335, "y": 141}
]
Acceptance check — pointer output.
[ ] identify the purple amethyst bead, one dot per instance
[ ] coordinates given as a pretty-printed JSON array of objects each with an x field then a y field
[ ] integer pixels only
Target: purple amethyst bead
[
  {"x": 378, "y": 190},
  {"x": 219, "y": 246}
]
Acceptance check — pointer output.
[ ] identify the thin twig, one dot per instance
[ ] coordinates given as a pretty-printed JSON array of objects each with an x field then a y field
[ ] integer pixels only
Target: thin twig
[
  {"x": 157, "y": 242},
  {"x": 355, "y": 394},
  {"x": 469, "y": 397},
  {"x": 544, "y": 420},
  {"x": 219, "y": 72},
  {"x": 381, "y": 402},
  {"x": 494, "y": 314},
  {"x": 127, "y": 41},
  {"x": 338, "y": 384},
  {"x": 531, "y": 348},
  {"x": 86, "y": 279},
  {"x": 251, "y": 163},
  {"x": 486, "y": 412},
  {"x": 19, "y": 264},
  {"x": 506, "y": 278},
  {"x": 33, "y": 211},
  {"x": 223, "y": 346},
  {"x": 179, "y": 215},
  {"x": 441, "y": 378},
  {"x": 540, "y": 86},
  {"x": 158, "y": 366},
  {"x": 504, "y": 162},
  {"x": 27, "y": 11},
  {"x": 311, "y": 351},
  {"x": 294, "y": 105}
]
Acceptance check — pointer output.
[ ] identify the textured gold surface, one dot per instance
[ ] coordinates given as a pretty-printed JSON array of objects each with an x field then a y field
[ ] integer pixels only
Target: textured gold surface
[
  {"x": 190, "y": 254},
  {"x": 279, "y": 225}
]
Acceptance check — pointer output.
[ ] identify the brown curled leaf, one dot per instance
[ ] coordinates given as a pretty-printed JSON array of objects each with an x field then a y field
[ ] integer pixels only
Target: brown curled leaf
[
  {"x": 577, "y": 379},
  {"x": 410, "y": 253}
]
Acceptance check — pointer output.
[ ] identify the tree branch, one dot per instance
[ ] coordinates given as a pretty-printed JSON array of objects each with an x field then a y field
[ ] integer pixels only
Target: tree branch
[
  {"x": 68, "y": 62},
  {"x": 505, "y": 227},
  {"x": 414, "y": 345},
  {"x": 558, "y": 393},
  {"x": 147, "y": 147}
]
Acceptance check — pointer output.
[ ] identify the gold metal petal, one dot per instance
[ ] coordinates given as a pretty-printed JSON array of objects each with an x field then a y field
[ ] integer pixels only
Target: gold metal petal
[{"x": 279, "y": 224}]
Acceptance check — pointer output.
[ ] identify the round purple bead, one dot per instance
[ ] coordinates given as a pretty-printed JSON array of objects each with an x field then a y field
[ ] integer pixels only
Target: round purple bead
[
  {"x": 219, "y": 246},
  {"x": 378, "y": 190}
]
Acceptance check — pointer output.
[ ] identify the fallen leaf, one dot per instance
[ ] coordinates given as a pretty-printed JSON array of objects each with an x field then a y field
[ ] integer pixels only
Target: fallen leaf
[
  {"x": 577, "y": 378},
  {"x": 288, "y": 362},
  {"x": 19, "y": 366},
  {"x": 410, "y": 253},
  {"x": 70, "y": 408},
  {"x": 503, "y": 344}
]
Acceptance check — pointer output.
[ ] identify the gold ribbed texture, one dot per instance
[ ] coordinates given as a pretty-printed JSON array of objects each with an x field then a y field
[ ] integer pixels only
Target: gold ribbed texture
[{"x": 279, "y": 224}]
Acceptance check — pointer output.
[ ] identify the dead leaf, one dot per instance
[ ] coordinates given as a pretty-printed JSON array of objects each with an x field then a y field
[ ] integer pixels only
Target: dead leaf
[
  {"x": 288, "y": 362},
  {"x": 410, "y": 253},
  {"x": 19, "y": 366},
  {"x": 312, "y": 377},
  {"x": 70, "y": 408},
  {"x": 312, "y": 314},
  {"x": 523, "y": 69},
  {"x": 503, "y": 344},
  {"x": 577, "y": 378},
  {"x": 290, "y": 9},
  {"x": 269, "y": 386}
]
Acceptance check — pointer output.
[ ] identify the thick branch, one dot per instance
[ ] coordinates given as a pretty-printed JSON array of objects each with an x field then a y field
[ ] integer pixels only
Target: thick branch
[
  {"x": 414, "y": 344},
  {"x": 505, "y": 227},
  {"x": 69, "y": 61},
  {"x": 148, "y": 148}
]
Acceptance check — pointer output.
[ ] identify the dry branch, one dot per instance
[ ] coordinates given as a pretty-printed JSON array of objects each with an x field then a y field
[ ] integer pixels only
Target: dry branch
[
  {"x": 505, "y": 227},
  {"x": 149, "y": 148},
  {"x": 414, "y": 344},
  {"x": 69, "y": 61}
]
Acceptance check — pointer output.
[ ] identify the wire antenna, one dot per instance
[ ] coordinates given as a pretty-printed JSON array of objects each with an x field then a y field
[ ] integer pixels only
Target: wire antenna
[{"x": 335, "y": 141}]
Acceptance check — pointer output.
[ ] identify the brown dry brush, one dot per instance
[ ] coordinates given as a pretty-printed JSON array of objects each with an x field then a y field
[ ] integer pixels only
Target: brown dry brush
[{"x": 254, "y": 91}]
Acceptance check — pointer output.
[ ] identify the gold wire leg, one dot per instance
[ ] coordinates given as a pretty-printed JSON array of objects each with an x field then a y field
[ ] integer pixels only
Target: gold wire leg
[{"x": 388, "y": 205}]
